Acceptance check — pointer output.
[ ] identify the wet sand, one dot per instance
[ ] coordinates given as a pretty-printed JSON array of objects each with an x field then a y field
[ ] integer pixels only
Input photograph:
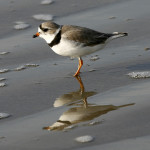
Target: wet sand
[{"x": 117, "y": 106}]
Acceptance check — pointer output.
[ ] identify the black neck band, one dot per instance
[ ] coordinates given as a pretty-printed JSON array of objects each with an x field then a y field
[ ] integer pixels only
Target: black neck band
[{"x": 56, "y": 39}]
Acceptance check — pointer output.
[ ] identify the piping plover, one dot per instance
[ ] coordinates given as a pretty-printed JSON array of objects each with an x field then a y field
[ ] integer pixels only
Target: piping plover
[{"x": 74, "y": 41}]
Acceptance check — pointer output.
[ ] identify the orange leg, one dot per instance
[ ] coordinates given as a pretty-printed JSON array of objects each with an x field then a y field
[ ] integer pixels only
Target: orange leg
[
  {"x": 79, "y": 67},
  {"x": 81, "y": 83},
  {"x": 85, "y": 103}
]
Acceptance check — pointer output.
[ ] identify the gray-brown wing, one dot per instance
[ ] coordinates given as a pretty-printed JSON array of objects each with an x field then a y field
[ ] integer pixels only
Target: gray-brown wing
[{"x": 83, "y": 35}]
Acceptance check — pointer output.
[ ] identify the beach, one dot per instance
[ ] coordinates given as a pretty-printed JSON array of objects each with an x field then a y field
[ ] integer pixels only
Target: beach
[{"x": 48, "y": 107}]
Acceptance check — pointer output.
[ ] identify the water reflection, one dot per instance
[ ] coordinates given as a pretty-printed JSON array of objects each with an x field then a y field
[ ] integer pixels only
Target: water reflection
[
  {"x": 73, "y": 98},
  {"x": 79, "y": 109}
]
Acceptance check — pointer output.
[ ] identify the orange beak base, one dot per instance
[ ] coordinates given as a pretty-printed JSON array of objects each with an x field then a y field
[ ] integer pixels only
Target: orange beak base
[
  {"x": 47, "y": 128},
  {"x": 36, "y": 35}
]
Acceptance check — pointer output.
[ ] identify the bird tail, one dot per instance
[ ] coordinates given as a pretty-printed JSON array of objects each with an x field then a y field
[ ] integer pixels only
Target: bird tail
[{"x": 118, "y": 34}]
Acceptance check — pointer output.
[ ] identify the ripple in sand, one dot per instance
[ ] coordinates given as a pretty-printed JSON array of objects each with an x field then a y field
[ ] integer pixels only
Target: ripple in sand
[
  {"x": 2, "y": 84},
  {"x": 25, "y": 67},
  {"x": 84, "y": 139},
  {"x": 31, "y": 65},
  {"x": 4, "y": 115},
  {"x": 4, "y": 70},
  {"x": 20, "y": 68},
  {"x": 139, "y": 75},
  {"x": 2, "y": 79},
  {"x": 47, "y": 2},
  {"x": 4, "y": 53},
  {"x": 44, "y": 17},
  {"x": 21, "y": 25}
]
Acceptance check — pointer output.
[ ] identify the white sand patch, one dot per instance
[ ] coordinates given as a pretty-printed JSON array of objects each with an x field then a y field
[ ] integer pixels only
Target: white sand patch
[
  {"x": 4, "y": 115},
  {"x": 94, "y": 58},
  {"x": 20, "y": 25},
  {"x": 31, "y": 65},
  {"x": 4, "y": 53},
  {"x": 2, "y": 84},
  {"x": 20, "y": 68},
  {"x": 47, "y": 2},
  {"x": 84, "y": 139},
  {"x": 138, "y": 75},
  {"x": 2, "y": 79},
  {"x": 4, "y": 70},
  {"x": 44, "y": 17}
]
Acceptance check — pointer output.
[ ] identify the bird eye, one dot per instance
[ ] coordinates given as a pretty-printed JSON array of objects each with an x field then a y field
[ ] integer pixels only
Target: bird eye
[{"x": 45, "y": 30}]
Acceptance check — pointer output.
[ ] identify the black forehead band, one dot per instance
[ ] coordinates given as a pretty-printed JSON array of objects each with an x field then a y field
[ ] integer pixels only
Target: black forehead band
[{"x": 40, "y": 27}]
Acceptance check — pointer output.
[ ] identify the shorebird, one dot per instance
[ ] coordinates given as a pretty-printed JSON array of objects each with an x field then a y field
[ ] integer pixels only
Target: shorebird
[{"x": 74, "y": 41}]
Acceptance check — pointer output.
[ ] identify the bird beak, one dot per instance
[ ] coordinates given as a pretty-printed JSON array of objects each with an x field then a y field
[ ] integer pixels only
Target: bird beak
[
  {"x": 36, "y": 35},
  {"x": 47, "y": 128}
]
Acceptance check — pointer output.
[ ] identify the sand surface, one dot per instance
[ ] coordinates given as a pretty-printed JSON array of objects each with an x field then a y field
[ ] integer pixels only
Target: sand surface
[{"x": 112, "y": 107}]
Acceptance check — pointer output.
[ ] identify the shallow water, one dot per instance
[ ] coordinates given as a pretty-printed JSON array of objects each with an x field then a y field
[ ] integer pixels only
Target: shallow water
[{"x": 115, "y": 105}]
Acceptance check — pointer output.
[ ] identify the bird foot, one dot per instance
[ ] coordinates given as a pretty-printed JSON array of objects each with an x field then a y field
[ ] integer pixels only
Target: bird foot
[{"x": 76, "y": 74}]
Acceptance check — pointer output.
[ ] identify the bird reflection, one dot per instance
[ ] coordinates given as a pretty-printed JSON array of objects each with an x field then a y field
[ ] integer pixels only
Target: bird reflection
[
  {"x": 73, "y": 98},
  {"x": 79, "y": 109}
]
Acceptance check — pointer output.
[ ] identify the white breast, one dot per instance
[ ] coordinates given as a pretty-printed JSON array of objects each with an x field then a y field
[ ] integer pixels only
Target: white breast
[{"x": 74, "y": 49}]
